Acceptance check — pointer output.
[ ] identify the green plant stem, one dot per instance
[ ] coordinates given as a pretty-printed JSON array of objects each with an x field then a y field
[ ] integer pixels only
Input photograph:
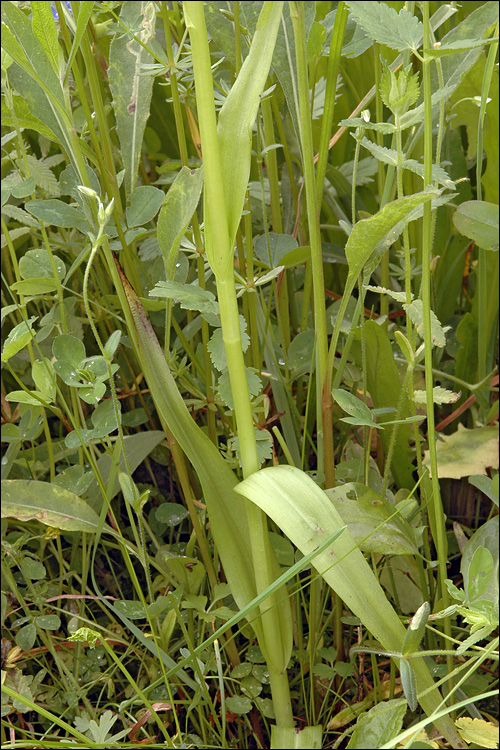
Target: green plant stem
[
  {"x": 325, "y": 465},
  {"x": 220, "y": 253},
  {"x": 330, "y": 94},
  {"x": 436, "y": 503}
]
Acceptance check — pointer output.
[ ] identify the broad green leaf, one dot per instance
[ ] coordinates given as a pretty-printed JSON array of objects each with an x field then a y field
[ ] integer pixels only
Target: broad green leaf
[
  {"x": 18, "y": 338},
  {"x": 384, "y": 385},
  {"x": 104, "y": 421},
  {"x": 478, "y": 732},
  {"x": 58, "y": 213},
  {"x": 353, "y": 406},
  {"x": 189, "y": 296},
  {"x": 25, "y": 119},
  {"x": 486, "y": 485},
  {"x": 408, "y": 683},
  {"x": 19, "y": 214},
  {"x": 271, "y": 248},
  {"x": 68, "y": 348},
  {"x": 51, "y": 505},
  {"x": 44, "y": 28},
  {"x": 34, "y": 287},
  {"x": 401, "y": 31},
  {"x": 239, "y": 704},
  {"x": 305, "y": 514},
  {"x": 478, "y": 220},
  {"x": 145, "y": 202},
  {"x": 228, "y": 515},
  {"x": 368, "y": 233},
  {"x": 36, "y": 264},
  {"x": 171, "y": 513},
  {"x": 466, "y": 452},
  {"x": 390, "y": 156},
  {"x": 26, "y": 637},
  {"x": 44, "y": 377},
  {"x": 131, "y": 85},
  {"x": 301, "y": 353},
  {"x": 486, "y": 537},
  {"x": 379, "y": 725},
  {"x": 33, "y": 570},
  {"x": 178, "y": 208},
  {"x": 34, "y": 398},
  {"x": 415, "y": 310},
  {"x": 48, "y": 622},
  {"x": 479, "y": 574},
  {"x": 374, "y": 523}
]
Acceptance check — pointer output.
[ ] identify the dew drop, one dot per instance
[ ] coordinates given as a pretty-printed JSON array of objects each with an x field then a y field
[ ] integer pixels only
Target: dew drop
[{"x": 281, "y": 361}]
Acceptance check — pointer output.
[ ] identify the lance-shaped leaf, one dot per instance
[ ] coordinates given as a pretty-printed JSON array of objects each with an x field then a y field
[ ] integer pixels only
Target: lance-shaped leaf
[
  {"x": 130, "y": 85},
  {"x": 305, "y": 514},
  {"x": 238, "y": 114},
  {"x": 228, "y": 515}
]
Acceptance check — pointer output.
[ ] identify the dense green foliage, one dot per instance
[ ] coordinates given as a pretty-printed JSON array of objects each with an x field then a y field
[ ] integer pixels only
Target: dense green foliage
[{"x": 249, "y": 392}]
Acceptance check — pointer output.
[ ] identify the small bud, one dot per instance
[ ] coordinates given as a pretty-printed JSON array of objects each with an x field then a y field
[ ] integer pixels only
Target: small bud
[
  {"x": 109, "y": 210},
  {"x": 365, "y": 114},
  {"x": 84, "y": 190}
]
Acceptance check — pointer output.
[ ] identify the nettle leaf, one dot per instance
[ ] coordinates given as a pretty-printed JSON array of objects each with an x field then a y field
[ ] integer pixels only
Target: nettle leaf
[
  {"x": 224, "y": 386},
  {"x": 386, "y": 128},
  {"x": 145, "y": 202},
  {"x": 43, "y": 175},
  {"x": 398, "y": 296},
  {"x": 36, "y": 264},
  {"x": 189, "y": 296},
  {"x": 216, "y": 346},
  {"x": 401, "y": 31},
  {"x": 439, "y": 395},
  {"x": 415, "y": 310},
  {"x": 279, "y": 245},
  {"x": 478, "y": 220}
]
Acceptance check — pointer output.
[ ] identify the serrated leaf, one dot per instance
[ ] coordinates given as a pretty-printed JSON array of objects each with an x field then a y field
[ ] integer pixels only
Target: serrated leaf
[
  {"x": 390, "y": 156},
  {"x": 44, "y": 28},
  {"x": 263, "y": 439},
  {"x": 415, "y": 310},
  {"x": 189, "y": 296},
  {"x": 216, "y": 345},
  {"x": 224, "y": 386},
  {"x": 20, "y": 215},
  {"x": 440, "y": 396},
  {"x": 401, "y": 31},
  {"x": 43, "y": 176},
  {"x": 398, "y": 296}
]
